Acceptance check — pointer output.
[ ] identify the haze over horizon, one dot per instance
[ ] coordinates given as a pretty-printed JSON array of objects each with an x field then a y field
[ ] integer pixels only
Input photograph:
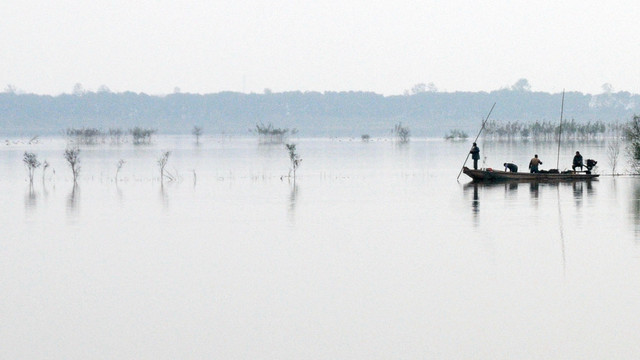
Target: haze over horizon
[{"x": 156, "y": 46}]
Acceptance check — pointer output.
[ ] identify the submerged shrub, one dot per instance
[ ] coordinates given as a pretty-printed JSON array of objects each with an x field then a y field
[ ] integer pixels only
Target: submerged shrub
[
  {"x": 270, "y": 134},
  {"x": 85, "y": 136},
  {"x": 294, "y": 158},
  {"x": 142, "y": 135},
  {"x": 456, "y": 135},
  {"x": 197, "y": 132},
  {"x": 632, "y": 136},
  {"x": 72, "y": 155},
  {"x": 402, "y": 133},
  {"x": 31, "y": 161}
]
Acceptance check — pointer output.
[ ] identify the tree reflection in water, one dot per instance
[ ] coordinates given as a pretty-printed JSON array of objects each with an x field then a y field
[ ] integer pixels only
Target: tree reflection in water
[
  {"x": 31, "y": 199},
  {"x": 163, "y": 196},
  {"x": 73, "y": 200},
  {"x": 293, "y": 197},
  {"x": 635, "y": 201}
]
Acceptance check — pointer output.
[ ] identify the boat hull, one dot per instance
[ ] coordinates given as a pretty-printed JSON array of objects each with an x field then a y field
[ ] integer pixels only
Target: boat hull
[{"x": 489, "y": 175}]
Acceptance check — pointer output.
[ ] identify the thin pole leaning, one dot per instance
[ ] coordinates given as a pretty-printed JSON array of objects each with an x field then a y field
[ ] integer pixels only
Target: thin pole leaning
[
  {"x": 477, "y": 136},
  {"x": 560, "y": 131}
]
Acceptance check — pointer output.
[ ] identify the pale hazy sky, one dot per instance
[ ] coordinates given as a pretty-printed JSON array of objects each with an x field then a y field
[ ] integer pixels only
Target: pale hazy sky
[{"x": 383, "y": 46}]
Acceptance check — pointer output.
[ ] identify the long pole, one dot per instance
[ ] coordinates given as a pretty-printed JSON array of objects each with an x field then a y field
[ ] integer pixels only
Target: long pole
[
  {"x": 560, "y": 131},
  {"x": 477, "y": 136}
]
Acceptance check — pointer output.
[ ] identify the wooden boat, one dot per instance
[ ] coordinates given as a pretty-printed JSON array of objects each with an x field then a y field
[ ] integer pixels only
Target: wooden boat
[{"x": 491, "y": 175}]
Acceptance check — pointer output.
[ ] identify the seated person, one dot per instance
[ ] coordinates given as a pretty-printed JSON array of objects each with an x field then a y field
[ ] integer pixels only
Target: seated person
[
  {"x": 577, "y": 161},
  {"x": 511, "y": 167}
]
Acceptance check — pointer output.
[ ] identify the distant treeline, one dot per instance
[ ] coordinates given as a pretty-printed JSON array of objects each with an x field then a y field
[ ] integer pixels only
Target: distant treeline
[{"x": 426, "y": 113}]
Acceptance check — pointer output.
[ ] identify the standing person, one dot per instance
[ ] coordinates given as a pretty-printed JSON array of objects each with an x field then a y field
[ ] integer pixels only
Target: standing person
[
  {"x": 475, "y": 155},
  {"x": 533, "y": 164},
  {"x": 577, "y": 161}
]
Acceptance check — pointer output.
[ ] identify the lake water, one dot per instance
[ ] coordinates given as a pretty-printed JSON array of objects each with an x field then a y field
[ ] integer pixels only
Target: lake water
[{"x": 376, "y": 252}]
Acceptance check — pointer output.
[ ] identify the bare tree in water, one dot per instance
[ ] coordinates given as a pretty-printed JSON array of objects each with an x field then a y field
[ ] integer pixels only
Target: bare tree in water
[
  {"x": 613, "y": 151},
  {"x": 121, "y": 163},
  {"x": 197, "y": 132},
  {"x": 72, "y": 155},
  {"x": 31, "y": 161},
  {"x": 632, "y": 136},
  {"x": 402, "y": 133},
  {"x": 45, "y": 165},
  {"x": 294, "y": 158},
  {"x": 162, "y": 163}
]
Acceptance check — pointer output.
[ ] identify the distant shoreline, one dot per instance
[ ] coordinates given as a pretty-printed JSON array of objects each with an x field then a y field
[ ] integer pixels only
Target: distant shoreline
[{"x": 344, "y": 114}]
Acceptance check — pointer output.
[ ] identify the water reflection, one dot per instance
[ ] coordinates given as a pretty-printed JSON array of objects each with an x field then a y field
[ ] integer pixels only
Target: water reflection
[
  {"x": 475, "y": 202},
  {"x": 508, "y": 186},
  {"x": 562, "y": 242},
  {"x": 73, "y": 200},
  {"x": 293, "y": 197},
  {"x": 30, "y": 199},
  {"x": 578, "y": 192},
  {"x": 45, "y": 191},
  {"x": 591, "y": 190},
  {"x": 534, "y": 190},
  {"x": 270, "y": 148},
  {"x": 119, "y": 193},
  {"x": 510, "y": 191},
  {"x": 636, "y": 208},
  {"x": 163, "y": 196}
]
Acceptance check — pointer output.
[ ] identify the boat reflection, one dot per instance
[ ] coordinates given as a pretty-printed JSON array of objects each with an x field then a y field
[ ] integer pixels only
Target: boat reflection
[
  {"x": 534, "y": 190},
  {"x": 578, "y": 192},
  {"x": 475, "y": 202},
  {"x": 591, "y": 190},
  {"x": 510, "y": 188}
]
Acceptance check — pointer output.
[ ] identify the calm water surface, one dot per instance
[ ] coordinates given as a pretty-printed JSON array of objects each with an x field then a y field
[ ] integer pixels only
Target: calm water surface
[{"x": 376, "y": 252}]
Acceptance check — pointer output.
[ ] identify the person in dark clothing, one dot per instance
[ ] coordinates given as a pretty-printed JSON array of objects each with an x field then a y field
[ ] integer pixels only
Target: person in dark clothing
[
  {"x": 511, "y": 167},
  {"x": 577, "y": 161},
  {"x": 475, "y": 155},
  {"x": 533, "y": 164}
]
